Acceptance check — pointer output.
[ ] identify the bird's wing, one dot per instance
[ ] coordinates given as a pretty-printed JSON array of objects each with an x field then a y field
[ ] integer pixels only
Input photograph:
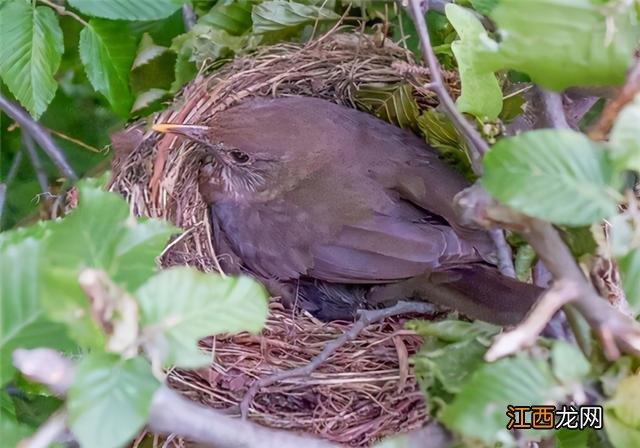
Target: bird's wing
[{"x": 388, "y": 247}]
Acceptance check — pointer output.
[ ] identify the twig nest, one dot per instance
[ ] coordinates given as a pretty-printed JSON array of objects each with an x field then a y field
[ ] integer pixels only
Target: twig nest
[{"x": 366, "y": 390}]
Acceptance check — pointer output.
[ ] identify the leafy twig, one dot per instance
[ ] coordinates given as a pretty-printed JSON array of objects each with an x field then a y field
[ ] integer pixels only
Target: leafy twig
[
  {"x": 366, "y": 318},
  {"x": 39, "y": 134},
  {"x": 64, "y": 12},
  {"x": 477, "y": 146},
  {"x": 170, "y": 412}
]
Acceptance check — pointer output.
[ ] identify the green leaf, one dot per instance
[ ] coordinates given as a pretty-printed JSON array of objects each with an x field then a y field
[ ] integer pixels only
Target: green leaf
[
  {"x": 12, "y": 431},
  {"x": 624, "y": 403},
  {"x": 484, "y": 6},
  {"x": 148, "y": 98},
  {"x": 557, "y": 175},
  {"x": 127, "y": 9},
  {"x": 22, "y": 320},
  {"x": 107, "y": 50},
  {"x": 568, "y": 363},
  {"x": 30, "y": 54},
  {"x": 279, "y": 15},
  {"x": 545, "y": 39},
  {"x": 110, "y": 399},
  {"x": 630, "y": 272},
  {"x": 481, "y": 94},
  {"x": 394, "y": 104},
  {"x": 181, "y": 305},
  {"x": 99, "y": 234},
  {"x": 479, "y": 410},
  {"x": 525, "y": 257},
  {"x": 233, "y": 18},
  {"x": 625, "y": 137},
  {"x": 570, "y": 438},
  {"x": 620, "y": 434},
  {"x": 147, "y": 51}
]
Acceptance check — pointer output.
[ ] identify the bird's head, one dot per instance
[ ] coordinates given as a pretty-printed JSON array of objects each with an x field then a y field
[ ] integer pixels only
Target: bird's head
[{"x": 229, "y": 170}]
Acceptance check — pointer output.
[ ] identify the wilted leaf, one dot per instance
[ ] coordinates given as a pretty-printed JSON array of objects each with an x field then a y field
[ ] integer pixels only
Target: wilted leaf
[
  {"x": 557, "y": 175},
  {"x": 279, "y": 15},
  {"x": 100, "y": 234},
  {"x": 625, "y": 137},
  {"x": 394, "y": 104},
  {"x": 110, "y": 399},
  {"x": 127, "y": 9},
  {"x": 481, "y": 94},
  {"x": 30, "y": 53},
  {"x": 181, "y": 305},
  {"x": 107, "y": 50}
]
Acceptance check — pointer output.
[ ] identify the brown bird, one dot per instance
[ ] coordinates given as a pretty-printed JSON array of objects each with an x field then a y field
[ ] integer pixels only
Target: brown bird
[{"x": 345, "y": 210}]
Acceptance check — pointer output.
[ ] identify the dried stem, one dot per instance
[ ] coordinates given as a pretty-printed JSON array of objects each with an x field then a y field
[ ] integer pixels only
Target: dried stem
[
  {"x": 366, "y": 318},
  {"x": 39, "y": 134},
  {"x": 170, "y": 412}
]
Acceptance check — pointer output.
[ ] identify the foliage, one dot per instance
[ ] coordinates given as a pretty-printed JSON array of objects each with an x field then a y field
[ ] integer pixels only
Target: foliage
[{"x": 88, "y": 284}]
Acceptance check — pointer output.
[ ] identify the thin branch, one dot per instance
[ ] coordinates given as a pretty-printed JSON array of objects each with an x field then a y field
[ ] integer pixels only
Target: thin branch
[
  {"x": 49, "y": 433},
  {"x": 13, "y": 170},
  {"x": 170, "y": 412},
  {"x": 554, "y": 109},
  {"x": 64, "y": 12},
  {"x": 526, "y": 334},
  {"x": 366, "y": 318},
  {"x": 36, "y": 163},
  {"x": 188, "y": 16},
  {"x": 477, "y": 146},
  {"x": 39, "y": 134}
]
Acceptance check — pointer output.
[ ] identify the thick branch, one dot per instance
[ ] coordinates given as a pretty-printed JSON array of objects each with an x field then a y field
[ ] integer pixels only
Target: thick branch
[
  {"x": 367, "y": 317},
  {"x": 42, "y": 137},
  {"x": 170, "y": 412}
]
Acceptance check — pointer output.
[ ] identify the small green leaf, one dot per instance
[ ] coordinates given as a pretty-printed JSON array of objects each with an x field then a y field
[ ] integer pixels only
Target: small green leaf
[
  {"x": 481, "y": 94},
  {"x": 279, "y": 15},
  {"x": 127, "y": 9},
  {"x": 148, "y": 98},
  {"x": 557, "y": 175},
  {"x": 525, "y": 257},
  {"x": 22, "y": 320},
  {"x": 620, "y": 434},
  {"x": 110, "y": 399},
  {"x": 394, "y": 104},
  {"x": 484, "y": 6},
  {"x": 107, "y": 50},
  {"x": 625, "y": 137},
  {"x": 625, "y": 401},
  {"x": 570, "y": 438},
  {"x": 479, "y": 410},
  {"x": 30, "y": 53},
  {"x": 181, "y": 305},
  {"x": 147, "y": 51}
]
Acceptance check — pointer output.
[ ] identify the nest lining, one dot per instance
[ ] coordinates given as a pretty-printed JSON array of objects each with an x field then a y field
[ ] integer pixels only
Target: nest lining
[{"x": 366, "y": 390}]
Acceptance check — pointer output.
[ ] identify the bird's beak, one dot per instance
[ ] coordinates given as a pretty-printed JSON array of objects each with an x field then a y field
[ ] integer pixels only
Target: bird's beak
[{"x": 188, "y": 130}]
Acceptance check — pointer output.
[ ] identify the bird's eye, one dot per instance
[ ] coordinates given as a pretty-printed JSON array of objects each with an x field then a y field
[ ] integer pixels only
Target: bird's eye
[{"x": 239, "y": 156}]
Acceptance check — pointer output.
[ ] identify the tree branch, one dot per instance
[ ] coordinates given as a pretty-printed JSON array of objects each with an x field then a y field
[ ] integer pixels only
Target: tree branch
[
  {"x": 13, "y": 170},
  {"x": 39, "y": 134},
  {"x": 170, "y": 412},
  {"x": 36, "y": 163},
  {"x": 366, "y": 318}
]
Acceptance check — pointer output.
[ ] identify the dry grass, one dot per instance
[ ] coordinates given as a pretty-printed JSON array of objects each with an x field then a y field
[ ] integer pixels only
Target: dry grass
[{"x": 366, "y": 390}]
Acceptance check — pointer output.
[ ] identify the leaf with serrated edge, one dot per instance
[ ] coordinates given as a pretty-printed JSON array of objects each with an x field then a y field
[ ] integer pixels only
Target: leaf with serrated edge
[
  {"x": 110, "y": 399},
  {"x": 278, "y": 15},
  {"x": 181, "y": 305},
  {"x": 30, "y": 54},
  {"x": 107, "y": 51},
  {"x": 127, "y": 9},
  {"x": 557, "y": 175}
]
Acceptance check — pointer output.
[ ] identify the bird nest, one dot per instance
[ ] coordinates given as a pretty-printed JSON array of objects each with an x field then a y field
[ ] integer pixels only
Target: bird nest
[{"x": 366, "y": 390}]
